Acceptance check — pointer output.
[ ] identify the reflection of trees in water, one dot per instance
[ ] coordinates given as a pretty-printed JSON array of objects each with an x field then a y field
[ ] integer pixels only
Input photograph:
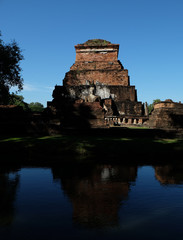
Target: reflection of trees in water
[
  {"x": 169, "y": 174},
  {"x": 8, "y": 186},
  {"x": 96, "y": 193}
]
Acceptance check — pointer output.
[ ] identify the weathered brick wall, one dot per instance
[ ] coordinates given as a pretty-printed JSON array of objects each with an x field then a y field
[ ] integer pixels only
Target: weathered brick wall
[
  {"x": 117, "y": 93},
  {"x": 81, "y": 115},
  {"x": 123, "y": 93},
  {"x": 129, "y": 108},
  {"x": 97, "y": 64},
  {"x": 96, "y": 56},
  {"x": 169, "y": 105},
  {"x": 93, "y": 65},
  {"x": 119, "y": 77},
  {"x": 90, "y": 109},
  {"x": 167, "y": 115},
  {"x": 97, "y": 53}
]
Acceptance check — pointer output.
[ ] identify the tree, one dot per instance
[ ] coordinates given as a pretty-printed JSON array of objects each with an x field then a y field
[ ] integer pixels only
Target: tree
[
  {"x": 10, "y": 57},
  {"x": 151, "y": 106},
  {"x": 4, "y": 94},
  {"x": 18, "y": 100},
  {"x": 36, "y": 107}
]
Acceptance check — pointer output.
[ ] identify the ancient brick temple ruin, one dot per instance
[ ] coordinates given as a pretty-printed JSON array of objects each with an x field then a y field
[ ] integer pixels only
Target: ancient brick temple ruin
[
  {"x": 96, "y": 92},
  {"x": 167, "y": 114}
]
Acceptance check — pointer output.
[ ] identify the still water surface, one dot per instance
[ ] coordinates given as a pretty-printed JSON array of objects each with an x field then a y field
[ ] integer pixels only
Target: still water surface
[{"x": 94, "y": 202}]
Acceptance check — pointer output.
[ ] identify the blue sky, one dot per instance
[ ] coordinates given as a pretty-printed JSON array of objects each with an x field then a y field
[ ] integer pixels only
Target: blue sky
[{"x": 150, "y": 34}]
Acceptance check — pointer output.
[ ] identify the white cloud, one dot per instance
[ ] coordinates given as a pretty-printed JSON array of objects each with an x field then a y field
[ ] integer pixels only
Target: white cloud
[
  {"x": 29, "y": 87},
  {"x": 34, "y": 90}
]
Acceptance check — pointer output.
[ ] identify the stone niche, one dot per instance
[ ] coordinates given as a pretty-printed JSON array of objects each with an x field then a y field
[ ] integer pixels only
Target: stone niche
[{"x": 96, "y": 87}]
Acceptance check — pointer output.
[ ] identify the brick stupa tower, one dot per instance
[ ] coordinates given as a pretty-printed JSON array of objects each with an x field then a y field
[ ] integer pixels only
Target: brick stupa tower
[{"x": 96, "y": 92}]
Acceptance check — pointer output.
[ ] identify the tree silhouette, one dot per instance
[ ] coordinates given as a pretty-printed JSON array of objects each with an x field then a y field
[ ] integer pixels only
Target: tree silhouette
[{"x": 10, "y": 57}]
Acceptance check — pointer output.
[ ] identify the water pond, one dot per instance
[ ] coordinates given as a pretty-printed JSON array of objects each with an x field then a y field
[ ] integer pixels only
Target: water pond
[{"x": 92, "y": 202}]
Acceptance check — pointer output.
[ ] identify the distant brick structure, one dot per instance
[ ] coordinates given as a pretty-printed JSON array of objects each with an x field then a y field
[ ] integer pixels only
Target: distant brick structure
[
  {"x": 96, "y": 92},
  {"x": 167, "y": 114}
]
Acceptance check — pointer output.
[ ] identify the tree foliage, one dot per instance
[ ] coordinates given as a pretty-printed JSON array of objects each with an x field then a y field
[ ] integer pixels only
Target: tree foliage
[
  {"x": 36, "y": 107},
  {"x": 97, "y": 42},
  {"x": 4, "y": 94},
  {"x": 151, "y": 106},
  {"x": 10, "y": 70},
  {"x": 18, "y": 100}
]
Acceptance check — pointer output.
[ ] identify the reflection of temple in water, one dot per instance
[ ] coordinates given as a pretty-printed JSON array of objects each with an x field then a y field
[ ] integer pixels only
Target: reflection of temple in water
[
  {"x": 96, "y": 197},
  {"x": 8, "y": 187},
  {"x": 169, "y": 174}
]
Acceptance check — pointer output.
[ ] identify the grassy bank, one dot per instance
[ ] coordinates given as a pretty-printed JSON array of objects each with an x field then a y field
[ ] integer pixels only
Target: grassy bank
[{"x": 89, "y": 147}]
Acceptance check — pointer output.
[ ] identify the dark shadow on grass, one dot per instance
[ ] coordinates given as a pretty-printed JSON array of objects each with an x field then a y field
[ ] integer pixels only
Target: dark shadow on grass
[{"x": 97, "y": 146}]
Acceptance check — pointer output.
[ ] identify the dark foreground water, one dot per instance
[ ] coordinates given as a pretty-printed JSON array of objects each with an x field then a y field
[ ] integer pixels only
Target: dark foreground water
[{"x": 93, "y": 202}]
